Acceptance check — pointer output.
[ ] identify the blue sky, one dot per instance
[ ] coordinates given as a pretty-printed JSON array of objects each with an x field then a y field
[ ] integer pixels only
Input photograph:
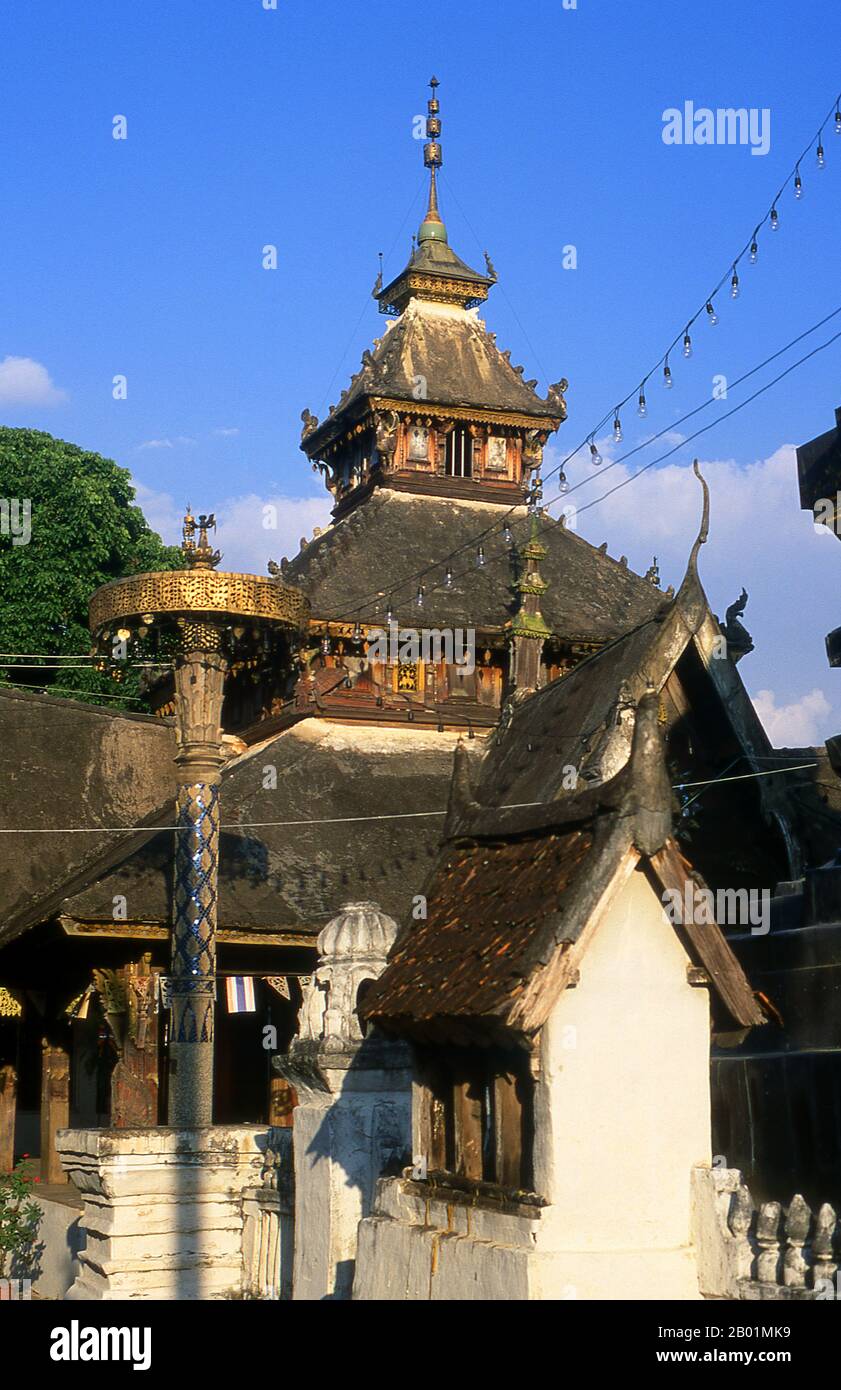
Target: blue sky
[{"x": 293, "y": 127}]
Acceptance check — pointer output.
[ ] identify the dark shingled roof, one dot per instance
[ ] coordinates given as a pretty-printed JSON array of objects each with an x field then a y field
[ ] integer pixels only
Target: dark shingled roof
[
  {"x": 456, "y": 358},
  {"x": 590, "y": 597},
  {"x": 64, "y": 763},
  {"x": 295, "y": 877},
  {"x": 562, "y": 725},
  {"x": 437, "y": 258},
  {"x": 526, "y": 863}
]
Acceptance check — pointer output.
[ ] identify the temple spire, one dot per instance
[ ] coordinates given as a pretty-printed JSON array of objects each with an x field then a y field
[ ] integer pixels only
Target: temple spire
[
  {"x": 529, "y": 630},
  {"x": 434, "y": 272},
  {"x": 432, "y": 228}
]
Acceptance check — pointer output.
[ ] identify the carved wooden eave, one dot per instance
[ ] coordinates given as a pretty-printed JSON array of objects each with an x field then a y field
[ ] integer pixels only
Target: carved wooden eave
[
  {"x": 484, "y": 415},
  {"x": 686, "y": 621},
  {"x": 560, "y": 966},
  {"x": 328, "y": 627},
  {"x": 634, "y": 786},
  {"x": 341, "y": 428},
  {"x": 689, "y": 621},
  {"x": 440, "y": 289},
  {"x": 749, "y": 730},
  {"x": 156, "y": 931}
]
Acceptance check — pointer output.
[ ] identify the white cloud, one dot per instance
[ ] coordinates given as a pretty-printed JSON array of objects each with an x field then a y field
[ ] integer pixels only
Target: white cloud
[
  {"x": 161, "y": 511},
  {"x": 23, "y": 381},
  {"x": 245, "y": 541},
  {"x": 165, "y": 443},
  {"x": 795, "y": 725},
  {"x": 759, "y": 538},
  {"x": 227, "y": 434},
  {"x": 254, "y": 529}
]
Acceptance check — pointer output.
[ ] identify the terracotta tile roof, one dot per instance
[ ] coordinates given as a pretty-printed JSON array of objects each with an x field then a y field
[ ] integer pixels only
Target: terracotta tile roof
[{"x": 486, "y": 912}]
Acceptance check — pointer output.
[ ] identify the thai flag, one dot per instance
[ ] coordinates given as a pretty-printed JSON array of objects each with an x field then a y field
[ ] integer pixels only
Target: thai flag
[{"x": 240, "y": 990}]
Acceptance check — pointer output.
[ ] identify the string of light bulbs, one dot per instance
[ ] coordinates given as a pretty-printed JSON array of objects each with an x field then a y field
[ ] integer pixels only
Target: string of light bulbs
[
  {"x": 11, "y": 664},
  {"x": 60, "y": 657},
  {"x": 707, "y": 307},
  {"x": 483, "y": 560},
  {"x": 706, "y": 404},
  {"x": 551, "y": 521},
  {"x": 760, "y": 391}
]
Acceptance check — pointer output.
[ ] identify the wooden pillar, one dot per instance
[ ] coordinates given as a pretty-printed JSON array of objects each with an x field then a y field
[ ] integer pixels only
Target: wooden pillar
[
  {"x": 129, "y": 1001},
  {"x": 508, "y": 1118},
  {"x": 8, "y": 1106},
  {"x": 55, "y": 1108},
  {"x": 282, "y": 1101},
  {"x": 468, "y": 1128}
]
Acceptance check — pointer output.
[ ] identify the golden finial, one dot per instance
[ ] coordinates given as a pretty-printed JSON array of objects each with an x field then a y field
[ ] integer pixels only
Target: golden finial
[
  {"x": 188, "y": 532},
  {"x": 432, "y": 228}
]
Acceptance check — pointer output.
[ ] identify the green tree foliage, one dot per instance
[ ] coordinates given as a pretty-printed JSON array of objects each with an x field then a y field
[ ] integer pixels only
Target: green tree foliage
[
  {"x": 85, "y": 529},
  {"x": 20, "y": 1217}
]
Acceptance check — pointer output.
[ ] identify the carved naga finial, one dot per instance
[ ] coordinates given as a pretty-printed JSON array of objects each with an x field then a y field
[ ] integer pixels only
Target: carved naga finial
[{"x": 555, "y": 396}]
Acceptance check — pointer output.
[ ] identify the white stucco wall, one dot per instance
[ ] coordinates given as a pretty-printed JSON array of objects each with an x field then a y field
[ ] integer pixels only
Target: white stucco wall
[
  {"x": 340, "y": 1149},
  {"x": 622, "y": 1115},
  {"x": 623, "y": 1098}
]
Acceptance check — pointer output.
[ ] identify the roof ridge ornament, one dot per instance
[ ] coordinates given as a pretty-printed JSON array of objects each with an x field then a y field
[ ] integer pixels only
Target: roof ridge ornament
[
  {"x": 378, "y": 283},
  {"x": 649, "y": 791}
]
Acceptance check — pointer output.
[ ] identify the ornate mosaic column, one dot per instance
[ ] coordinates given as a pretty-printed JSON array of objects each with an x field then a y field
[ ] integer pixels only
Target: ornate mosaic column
[
  {"x": 203, "y": 620},
  {"x": 199, "y": 688}
]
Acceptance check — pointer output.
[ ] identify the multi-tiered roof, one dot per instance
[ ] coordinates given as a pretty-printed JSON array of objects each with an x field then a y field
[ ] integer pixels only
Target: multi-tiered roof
[
  {"x": 436, "y": 407},
  {"x": 432, "y": 456}
]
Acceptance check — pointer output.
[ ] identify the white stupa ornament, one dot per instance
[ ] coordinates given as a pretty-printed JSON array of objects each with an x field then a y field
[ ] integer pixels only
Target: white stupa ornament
[{"x": 352, "y": 949}]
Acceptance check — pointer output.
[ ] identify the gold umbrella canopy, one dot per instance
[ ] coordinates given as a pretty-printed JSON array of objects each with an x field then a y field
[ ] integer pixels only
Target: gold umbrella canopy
[{"x": 195, "y": 600}]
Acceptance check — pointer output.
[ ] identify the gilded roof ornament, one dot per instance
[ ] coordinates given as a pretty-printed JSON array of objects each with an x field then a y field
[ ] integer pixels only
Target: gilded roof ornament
[
  {"x": 200, "y": 554},
  {"x": 10, "y": 1005}
]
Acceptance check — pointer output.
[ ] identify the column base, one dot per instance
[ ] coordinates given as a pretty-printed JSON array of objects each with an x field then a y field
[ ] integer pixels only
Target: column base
[{"x": 163, "y": 1209}]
